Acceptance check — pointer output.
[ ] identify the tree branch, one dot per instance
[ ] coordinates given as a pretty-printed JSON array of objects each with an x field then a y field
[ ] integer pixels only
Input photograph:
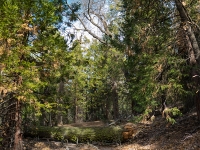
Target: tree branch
[
  {"x": 86, "y": 29},
  {"x": 106, "y": 30},
  {"x": 185, "y": 19}
]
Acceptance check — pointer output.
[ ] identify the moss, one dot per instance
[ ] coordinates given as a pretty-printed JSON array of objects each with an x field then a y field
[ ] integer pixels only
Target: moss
[{"x": 82, "y": 134}]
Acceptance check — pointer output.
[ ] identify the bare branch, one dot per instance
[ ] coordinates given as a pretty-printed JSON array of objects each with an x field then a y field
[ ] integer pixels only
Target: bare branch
[
  {"x": 105, "y": 25},
  {"x": 105, "y": 30},
  {"x": 86, "y": 29},
  {"x": 89, "y": 18},
  {"x": 95, "y": 24}
]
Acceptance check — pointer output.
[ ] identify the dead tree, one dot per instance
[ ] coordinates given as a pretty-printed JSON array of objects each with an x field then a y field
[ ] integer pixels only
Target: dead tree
[
  {"x": 94, "y": 19},
  {"x": 192, "y": 48}
]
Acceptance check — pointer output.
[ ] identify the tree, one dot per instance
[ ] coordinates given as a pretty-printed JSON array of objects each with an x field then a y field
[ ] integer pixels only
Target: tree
[
  {"x": 97, "y": 19},
  {"x": 106, "y": 80},
  {"x": 77, "y": 81},
  {"x": 191, "y": 48},
  {"x": 153, "y": 63},
  {"x": 24, "y": 27}
]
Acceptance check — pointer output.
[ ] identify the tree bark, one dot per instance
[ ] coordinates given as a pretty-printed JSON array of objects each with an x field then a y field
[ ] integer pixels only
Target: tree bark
[
  {"x": 181, "y": 10},
  {"x": 107, "y": 108},
  {"x": 194, "y": 50},
  {"x": 18, "y": 122},
  {"x": 198, "y": 104},
  {"x": 115, "y": 101},
  {"x": 75, "y": 111},
  {"x": 61, "y": 92}
]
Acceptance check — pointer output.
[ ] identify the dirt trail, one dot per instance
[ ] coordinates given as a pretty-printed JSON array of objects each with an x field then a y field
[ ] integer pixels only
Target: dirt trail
[{"x": 87, "y": 124}]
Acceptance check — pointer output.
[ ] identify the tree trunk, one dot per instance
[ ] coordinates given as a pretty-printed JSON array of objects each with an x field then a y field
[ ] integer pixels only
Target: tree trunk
[
  {"x": 43, "y": 119},
  {"x": 59, "y": 114},
  {"x": 193, "y": 49},
  {"x": 115, "y": 105},
  {"x": 59, "y": 119},
  {"x": 115, "y": 101},
  {"x": 50, "y": 119},
  {"x": 12, "y": 124},
  {"x": 107, "y": 108},
  {"x": 61, "y": 92},
  {"x": 75, "y": 111},
  {"x": 132, "y": 106},
  {"x": 198, "y": 104},
  {"x": 18, "y": 126}
]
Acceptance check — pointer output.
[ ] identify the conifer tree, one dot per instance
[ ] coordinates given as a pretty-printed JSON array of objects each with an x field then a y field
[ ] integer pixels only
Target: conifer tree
[
  {"x": 29, "y": 36},
  {"x": 153, "y": 64}
]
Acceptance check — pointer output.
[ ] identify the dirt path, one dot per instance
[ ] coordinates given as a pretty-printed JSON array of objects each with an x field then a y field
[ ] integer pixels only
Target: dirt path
[{"x": 87, "y": 124}]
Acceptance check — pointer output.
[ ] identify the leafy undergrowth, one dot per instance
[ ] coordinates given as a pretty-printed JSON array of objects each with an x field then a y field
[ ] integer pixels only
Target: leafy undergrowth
[{"x": 159, "y": 135}]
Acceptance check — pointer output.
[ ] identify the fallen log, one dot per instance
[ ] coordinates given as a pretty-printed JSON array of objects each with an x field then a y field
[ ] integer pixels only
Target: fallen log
[
  {"x": 77, "y": 134},
  {"x": 108, "y": 134}
]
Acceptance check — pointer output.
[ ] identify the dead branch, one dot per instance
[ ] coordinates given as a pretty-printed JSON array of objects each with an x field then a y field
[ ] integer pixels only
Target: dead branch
[{"x": 89, "y": 18}]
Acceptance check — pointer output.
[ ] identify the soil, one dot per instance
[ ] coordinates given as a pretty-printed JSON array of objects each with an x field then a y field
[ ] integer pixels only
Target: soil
[{"x": 157, "y": 135}]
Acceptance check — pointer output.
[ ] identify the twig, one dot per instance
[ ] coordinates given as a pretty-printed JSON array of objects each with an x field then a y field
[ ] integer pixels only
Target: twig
[{"x": 187, "y": 137}]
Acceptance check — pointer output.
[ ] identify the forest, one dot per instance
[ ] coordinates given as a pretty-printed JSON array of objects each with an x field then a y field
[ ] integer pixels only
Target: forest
[{"x": 125, "y": 64}]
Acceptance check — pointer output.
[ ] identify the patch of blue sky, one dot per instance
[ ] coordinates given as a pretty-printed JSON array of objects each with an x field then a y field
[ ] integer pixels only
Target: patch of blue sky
[{"x": 73, "y": 1}]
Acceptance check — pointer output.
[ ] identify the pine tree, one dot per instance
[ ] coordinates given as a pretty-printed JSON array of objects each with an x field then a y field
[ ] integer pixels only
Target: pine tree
[
  {"x": 28, "y": 34},
  {"x": 153, "y": 64}
]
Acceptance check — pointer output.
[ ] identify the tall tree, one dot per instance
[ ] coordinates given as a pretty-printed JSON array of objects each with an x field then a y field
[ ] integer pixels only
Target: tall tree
[
  {"x": 190, "y": 48},
  {"x": 98, "y": 18},
  {"x": 24, "y": 27},
  {"x": 152, "y": 61}
]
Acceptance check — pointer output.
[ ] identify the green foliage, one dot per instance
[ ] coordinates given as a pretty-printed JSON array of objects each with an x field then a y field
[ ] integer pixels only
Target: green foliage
[
  {"x": 175, "y": 111},
  {"x": 171, "y": 120},
  {"x": 33, "y": 50},
  {"x": 171, "y": 113},
  {"x": 154, "y": 70}
]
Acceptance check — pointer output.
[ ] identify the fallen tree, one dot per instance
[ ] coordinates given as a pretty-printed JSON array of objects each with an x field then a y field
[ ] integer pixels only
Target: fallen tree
[
  {"x": 77, "y": 134},
  {"x": 108, "y": 134}
]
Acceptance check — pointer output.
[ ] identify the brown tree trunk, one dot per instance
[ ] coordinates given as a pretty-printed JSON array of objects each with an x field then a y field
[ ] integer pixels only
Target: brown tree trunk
[
  {"x": 193, "y": 50},
  {"x": 115, "y": 105},
  {"x": 75, "y": 111},
  {"x": 181, "y": 10},
  {"x": 59, "y": 119},
  {"x": 198, "y": 104},
  {"x": 61, "y": 92},
  {"x": 132, "y": 106},
  {"x": 115, "y": 101},
  {"x": 18, "y": 122},
  {"x": 12, "y": 124},
  {"x": 107, "y": 109}
]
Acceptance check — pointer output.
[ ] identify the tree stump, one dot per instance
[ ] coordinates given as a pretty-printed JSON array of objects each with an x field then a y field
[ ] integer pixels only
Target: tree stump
[{"x": 128, "y": 131}]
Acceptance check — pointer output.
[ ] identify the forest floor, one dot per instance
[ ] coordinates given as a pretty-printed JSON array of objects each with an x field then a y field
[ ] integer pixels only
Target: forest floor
[{"x": 159, "y": 135}]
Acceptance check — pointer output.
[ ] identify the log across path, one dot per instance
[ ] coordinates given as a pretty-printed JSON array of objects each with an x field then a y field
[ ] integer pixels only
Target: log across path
[{"x": 88, "y": 132}]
